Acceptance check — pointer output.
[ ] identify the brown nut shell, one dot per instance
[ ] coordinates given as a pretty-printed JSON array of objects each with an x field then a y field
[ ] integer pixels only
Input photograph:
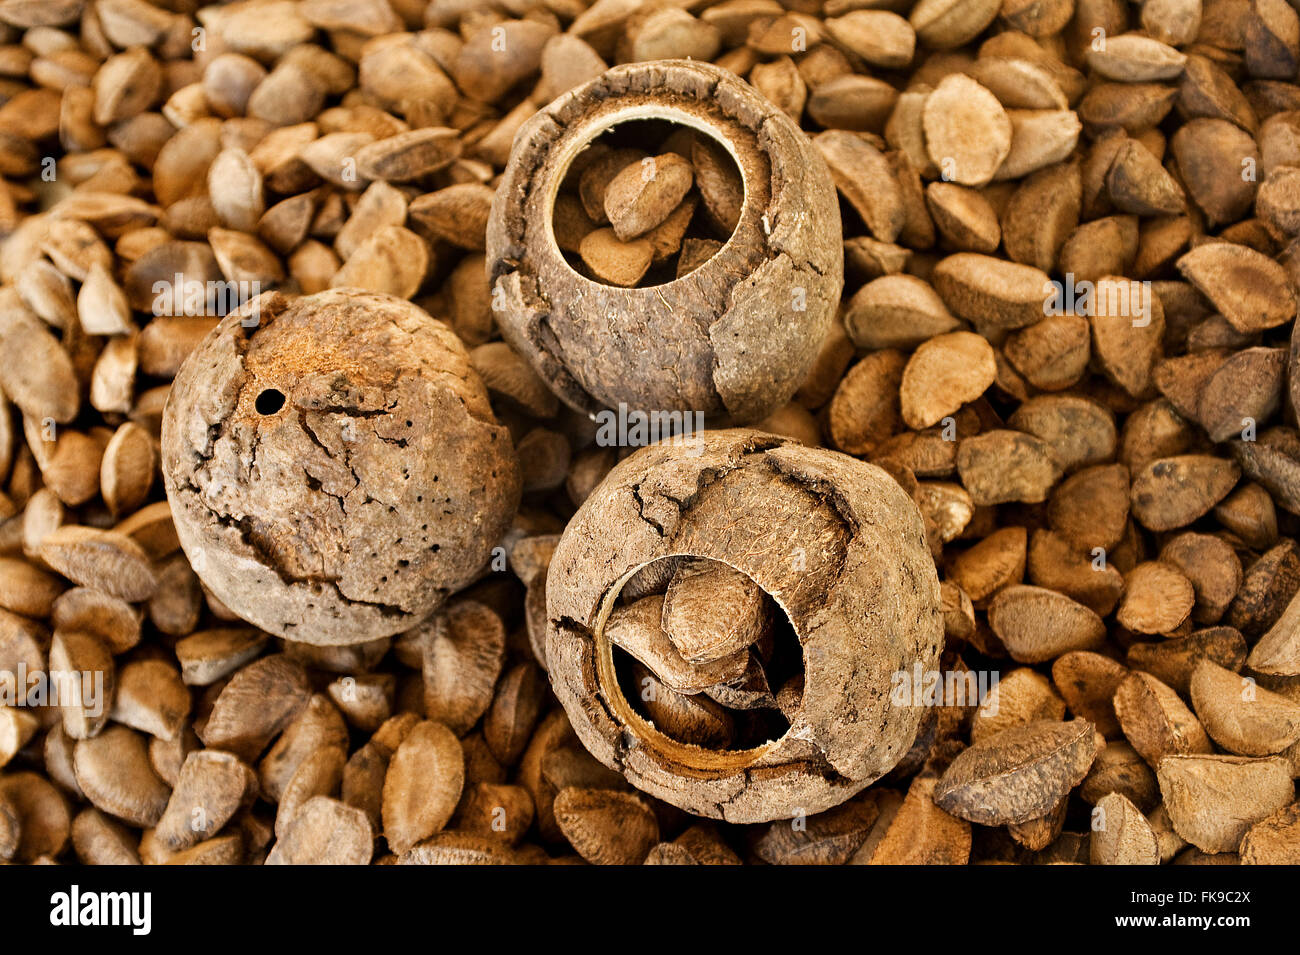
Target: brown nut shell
[
  {"x": 333, "y": 465},
  {"x": 834, "y": 541},
  {"x": 734, "y": 336}
]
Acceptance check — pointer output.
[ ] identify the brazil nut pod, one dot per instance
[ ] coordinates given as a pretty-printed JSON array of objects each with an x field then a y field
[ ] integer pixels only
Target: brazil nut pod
[
  {"x": 735, "y": 336},
  {"x": 333, "y": 466},
  {"x": 836, "y": 544}
]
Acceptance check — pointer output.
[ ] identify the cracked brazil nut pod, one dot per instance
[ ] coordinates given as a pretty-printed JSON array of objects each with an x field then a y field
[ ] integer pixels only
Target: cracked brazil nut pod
[
  {"x": 839, "y": 550},
  {"x": 333, "y": 466},
  {"x": 732, "y": 336}
]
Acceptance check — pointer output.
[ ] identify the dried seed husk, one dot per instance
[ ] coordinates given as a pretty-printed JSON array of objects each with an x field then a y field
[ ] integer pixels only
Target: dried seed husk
[
  {"x": 1018, "y": 775},
  {"x": 1157, "y": 598},
  {"x": 1088, "y": 682},
  {"x": 422, "y": 785},
  {"x": 462, "y": 661},
  {"x": 943, "y": 374},
  {"x": 1020, "y": 697},
  {"x": 747, "y": 462},
  {"x": 114, "y": 772},
  {"x": 259, "y": 701},
  {"x": 606, "y": 827},
  {"x": 1037, "y": 624},
  {"x": 104, "y": 560},
  {"x": 1173, "y": 661},
  {"x": 82, "y": 669},
  {"x": 865, "y": 408},
  {"x": 1156, "y": 721},
  {"x": 1119, "y": 769},
  {"x": 1003, "y": 465},
  {"x": 149, "y": 696},
  {"x": 1274, "y": 840},
  {"x": 41, "y": 814},
  {"x": 1212, "y": 566},
  {"x": 209, "y": 655},
  {"x": 1214, "y": 800},
  {"x": 1121, "y": 835},
  {"x": 990, "y": 291},
  {"x": 827, "y": 838},
  {"x": 711, "y": 611},
  {"x": 993, "y": 563},
  {"x": 1242, "y": 718},
  {"x": 211, "y": 787},
  {"x": 324, "y": 831},
  {"x": 1173, "y": 492}
]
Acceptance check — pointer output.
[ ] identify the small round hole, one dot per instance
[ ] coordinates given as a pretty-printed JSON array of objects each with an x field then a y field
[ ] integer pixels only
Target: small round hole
[{"x": 269, "y": 401}]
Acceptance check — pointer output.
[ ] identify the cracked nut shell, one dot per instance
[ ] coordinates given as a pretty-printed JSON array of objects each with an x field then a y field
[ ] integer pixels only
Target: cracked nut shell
[
  {"x": 335, "y": 470},
  {"x": 839, "y": 546},
  {"x": 733, "y": 337}
]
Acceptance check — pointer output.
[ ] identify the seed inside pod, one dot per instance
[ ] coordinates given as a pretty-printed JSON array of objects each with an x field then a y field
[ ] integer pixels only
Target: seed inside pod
[{"x": 638, "y": 177}]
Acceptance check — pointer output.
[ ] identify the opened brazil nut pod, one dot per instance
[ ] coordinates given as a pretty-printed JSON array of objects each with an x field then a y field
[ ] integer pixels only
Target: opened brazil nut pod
[
  {"x": 733, "y": 337},
  {"x": 840, "y": 548},
  {"x": 333, "y": 466}
]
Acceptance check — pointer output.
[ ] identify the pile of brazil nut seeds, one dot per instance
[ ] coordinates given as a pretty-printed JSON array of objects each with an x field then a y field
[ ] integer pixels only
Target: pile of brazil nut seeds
[{"x": 649, "y": 431}]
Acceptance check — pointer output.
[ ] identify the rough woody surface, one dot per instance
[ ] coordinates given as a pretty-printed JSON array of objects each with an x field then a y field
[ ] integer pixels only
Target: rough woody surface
[
  {"x": 704, "y": 342},
  {"x": 750, "y": 501},
  {"x": 335, "y": 471}
]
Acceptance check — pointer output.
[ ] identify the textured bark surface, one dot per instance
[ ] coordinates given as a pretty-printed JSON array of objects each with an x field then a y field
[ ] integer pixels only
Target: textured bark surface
[
  {"x": 377, "y": 485},
  {"x": 711, "y": 340},
  {"x": 839, "y": 547}
]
